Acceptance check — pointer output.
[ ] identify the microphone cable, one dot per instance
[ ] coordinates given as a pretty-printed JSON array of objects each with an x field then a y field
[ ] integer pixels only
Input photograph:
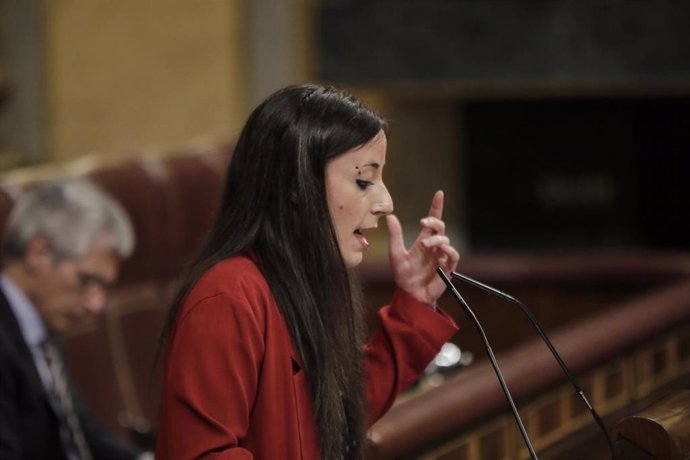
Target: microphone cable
[
  {"x": 552, "y": 349},
  {"x": 468, "y": 311}
]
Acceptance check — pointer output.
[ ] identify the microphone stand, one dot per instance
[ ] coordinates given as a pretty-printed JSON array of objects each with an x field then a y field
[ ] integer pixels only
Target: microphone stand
[
  {"x": 548, "y": 343},
  {"x": 468, "y": 311}
]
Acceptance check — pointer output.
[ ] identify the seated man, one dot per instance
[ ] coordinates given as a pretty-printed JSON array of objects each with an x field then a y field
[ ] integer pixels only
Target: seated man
[{"x": 62, "y": 250}]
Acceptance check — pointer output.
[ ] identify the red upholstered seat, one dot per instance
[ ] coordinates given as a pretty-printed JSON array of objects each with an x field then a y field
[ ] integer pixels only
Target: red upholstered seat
[
  {"x": 141, "y": 193},
  {"x": 88, "y": 355},
  {"x": 192, "y": 186},
  {"x": 172, "y": 200}
]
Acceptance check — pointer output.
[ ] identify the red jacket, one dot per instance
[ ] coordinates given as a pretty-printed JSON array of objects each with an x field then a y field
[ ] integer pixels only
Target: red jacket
[{"x": 233, "y": 386}]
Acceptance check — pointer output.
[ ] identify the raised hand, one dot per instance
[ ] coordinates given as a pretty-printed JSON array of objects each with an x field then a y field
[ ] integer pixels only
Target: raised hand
[{"x": 414, "y": 269}]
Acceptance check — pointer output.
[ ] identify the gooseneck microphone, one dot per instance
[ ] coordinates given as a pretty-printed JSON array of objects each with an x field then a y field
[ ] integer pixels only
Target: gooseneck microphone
[
  {"x": 468, "y": 311},
  {"x": 548, "y": 343}
]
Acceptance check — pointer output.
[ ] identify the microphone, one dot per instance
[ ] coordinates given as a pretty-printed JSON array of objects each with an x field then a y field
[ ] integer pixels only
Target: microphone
[
  {"x": 468, "y": 311},
  {"x": 548, "y": 343}
]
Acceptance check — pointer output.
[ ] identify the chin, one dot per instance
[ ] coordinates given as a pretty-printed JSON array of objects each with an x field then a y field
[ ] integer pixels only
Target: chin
[
  {"x": 68, "y": 324},
  {"x": 353, "y": 260},
  {"x": 58, "y": 326}
]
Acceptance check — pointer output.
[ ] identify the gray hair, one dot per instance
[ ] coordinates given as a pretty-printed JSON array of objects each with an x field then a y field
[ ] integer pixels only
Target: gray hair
[{"x": 70, "y": 213}]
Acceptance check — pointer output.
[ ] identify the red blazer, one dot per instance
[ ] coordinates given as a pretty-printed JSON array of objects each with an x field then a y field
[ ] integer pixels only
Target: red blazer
[{"x": 233, "y": 385}]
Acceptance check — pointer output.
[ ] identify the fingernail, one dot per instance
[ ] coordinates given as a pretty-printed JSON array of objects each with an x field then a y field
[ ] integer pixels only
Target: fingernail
[
  {"x": 426, "y": 242},
  {"x": 425, "y": 221}
]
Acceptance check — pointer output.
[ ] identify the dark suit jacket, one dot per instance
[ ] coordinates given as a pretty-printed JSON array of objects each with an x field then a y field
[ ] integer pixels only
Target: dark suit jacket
[{"x": 28, "y": 425}]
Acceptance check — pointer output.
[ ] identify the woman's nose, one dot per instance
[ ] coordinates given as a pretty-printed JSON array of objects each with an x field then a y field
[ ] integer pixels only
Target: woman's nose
[{"x": 383, "y": 204}]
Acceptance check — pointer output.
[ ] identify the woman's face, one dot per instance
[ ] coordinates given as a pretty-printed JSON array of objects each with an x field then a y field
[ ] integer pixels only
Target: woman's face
[{"x": 357, "y": 196}]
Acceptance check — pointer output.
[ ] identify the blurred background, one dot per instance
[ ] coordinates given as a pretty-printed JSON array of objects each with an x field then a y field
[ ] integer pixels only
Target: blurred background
[
  {"x": 559, "y": 130},
  {"x": 549, "y": 123}
]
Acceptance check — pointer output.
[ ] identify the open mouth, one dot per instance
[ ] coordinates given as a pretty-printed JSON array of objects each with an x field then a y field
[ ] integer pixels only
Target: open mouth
[{"x": 361, "y": 239}]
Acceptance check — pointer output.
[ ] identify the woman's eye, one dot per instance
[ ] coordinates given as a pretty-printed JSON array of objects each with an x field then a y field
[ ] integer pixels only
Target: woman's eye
[{"x": 363, "y": 184}]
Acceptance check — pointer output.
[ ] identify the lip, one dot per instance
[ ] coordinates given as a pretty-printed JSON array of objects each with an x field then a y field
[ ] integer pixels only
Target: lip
[{"x": 361, "y": 239}]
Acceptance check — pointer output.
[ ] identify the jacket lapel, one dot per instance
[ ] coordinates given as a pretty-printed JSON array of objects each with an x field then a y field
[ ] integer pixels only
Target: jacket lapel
[{"x": 18, "y": 349}]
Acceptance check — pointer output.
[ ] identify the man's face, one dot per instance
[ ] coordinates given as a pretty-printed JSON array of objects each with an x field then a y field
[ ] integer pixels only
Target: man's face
[{"x": 69, "y": 291}]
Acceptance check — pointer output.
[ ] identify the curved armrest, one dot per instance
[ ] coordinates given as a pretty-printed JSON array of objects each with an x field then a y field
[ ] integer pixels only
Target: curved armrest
[{"x": 662, "y": 430}]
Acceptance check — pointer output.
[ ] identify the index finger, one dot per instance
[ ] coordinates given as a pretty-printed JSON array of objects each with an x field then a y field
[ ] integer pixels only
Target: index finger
[{"x": 436, "y": 209}]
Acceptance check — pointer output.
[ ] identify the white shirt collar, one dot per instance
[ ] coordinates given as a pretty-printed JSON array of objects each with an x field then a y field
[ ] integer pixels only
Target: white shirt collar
[{"x": 29, "y": 319}]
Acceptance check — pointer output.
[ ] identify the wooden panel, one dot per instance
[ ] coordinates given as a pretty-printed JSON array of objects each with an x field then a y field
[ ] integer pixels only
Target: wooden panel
[{"x": 613, "y": 352}]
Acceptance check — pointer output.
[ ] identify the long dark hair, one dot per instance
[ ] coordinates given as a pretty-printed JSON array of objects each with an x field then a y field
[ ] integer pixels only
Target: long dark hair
[{"x": 274, "y": 205}]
